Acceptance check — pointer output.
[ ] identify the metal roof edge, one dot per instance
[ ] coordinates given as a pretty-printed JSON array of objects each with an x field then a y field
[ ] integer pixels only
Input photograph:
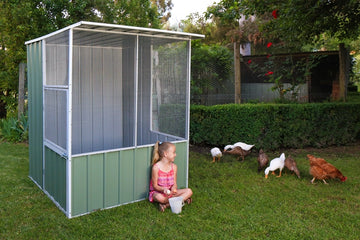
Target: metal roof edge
[
  {"x": 140, "y": 29},
  {"x": 53, "y": 33}
]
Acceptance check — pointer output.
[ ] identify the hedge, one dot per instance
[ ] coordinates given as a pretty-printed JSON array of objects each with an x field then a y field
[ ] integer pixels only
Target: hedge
[{"x": 274, "y": 126}]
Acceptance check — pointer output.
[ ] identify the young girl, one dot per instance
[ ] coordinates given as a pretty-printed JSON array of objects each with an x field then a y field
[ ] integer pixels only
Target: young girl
[{"x": 163, "y": 176}]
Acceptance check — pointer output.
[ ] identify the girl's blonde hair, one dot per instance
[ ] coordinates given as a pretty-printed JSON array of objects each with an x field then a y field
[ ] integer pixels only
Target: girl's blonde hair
[{"x": 159, "y": 149}]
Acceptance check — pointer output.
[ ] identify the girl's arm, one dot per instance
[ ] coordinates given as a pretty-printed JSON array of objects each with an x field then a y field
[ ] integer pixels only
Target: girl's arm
[{"x": 174, "y": 187}]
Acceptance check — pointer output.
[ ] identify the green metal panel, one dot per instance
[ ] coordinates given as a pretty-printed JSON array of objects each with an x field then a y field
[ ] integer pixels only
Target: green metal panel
[
  {"x": 110, "y": 179},
  {"x": 141, "y": 173},
  {"x": 55, "y": 177},
  {"x": 126, "y": 176},
  {"x": 79, "y": 198},
  {"x": 111, "y": 176},
  {"x": 35, "y": 78},
  {"x": 95, "y": 182},
  {"x": 182, "y": 163}
]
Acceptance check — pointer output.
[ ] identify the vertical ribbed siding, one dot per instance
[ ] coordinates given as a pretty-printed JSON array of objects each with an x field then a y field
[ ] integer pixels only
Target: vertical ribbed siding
[
  {"x": 55, "y": 177},
  {"x": 106, "y": 180},
  {"x": 35, "y": 81},
  {"x": 181, "y": 161}
]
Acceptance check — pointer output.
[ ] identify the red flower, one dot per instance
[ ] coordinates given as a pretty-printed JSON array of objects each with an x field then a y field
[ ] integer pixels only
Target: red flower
[
  {"x": 269, "y": 55},
  {"x": 275, "y": 14},
  {"x": 269, "y": 73},
  {"x": 269, "y": 44},
  {"x": 249, "y": 61}
]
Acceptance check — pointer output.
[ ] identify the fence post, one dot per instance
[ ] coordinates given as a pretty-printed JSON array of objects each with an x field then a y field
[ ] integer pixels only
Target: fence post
[
  {"x": 343, "y": 72},
  {"x": 21, "y": 95},
  {"x": 237, "y": 73}
]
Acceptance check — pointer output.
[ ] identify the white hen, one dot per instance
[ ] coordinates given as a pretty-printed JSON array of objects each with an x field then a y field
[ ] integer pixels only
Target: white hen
[
  {"x": 228, "y": 147},
  {"x": 276, "y": 163},
  {"x": 244, "y": 146},
  {"x": 216, "y": 153}
]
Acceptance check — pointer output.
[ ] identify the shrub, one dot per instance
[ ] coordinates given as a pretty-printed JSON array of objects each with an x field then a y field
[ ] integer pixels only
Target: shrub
[
  {"x": 172, "y": 119},
  {"x": 273, "y": 126},
  {"x": 15, "y": 130}
]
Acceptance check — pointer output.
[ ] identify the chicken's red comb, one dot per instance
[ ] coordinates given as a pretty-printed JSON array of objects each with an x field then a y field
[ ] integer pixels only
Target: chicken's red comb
[{"x": 343, "y": 179}]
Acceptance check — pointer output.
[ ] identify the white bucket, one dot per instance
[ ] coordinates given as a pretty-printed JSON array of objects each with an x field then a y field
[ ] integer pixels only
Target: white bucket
[{"x": 176, "y": 204}]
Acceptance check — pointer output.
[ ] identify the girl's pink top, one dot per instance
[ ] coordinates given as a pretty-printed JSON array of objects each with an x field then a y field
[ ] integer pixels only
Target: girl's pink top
[{"x": 165, "y": 179}]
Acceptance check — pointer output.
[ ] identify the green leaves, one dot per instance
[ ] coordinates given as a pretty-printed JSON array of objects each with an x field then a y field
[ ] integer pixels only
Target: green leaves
[
  {"x": 273, "y": 126},
  {"x": 15, "y": 130},
  {"x": 299, "y": 22}
]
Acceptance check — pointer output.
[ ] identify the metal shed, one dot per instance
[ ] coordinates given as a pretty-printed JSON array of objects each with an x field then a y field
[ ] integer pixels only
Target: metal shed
[{"x": 100, "y": 96}]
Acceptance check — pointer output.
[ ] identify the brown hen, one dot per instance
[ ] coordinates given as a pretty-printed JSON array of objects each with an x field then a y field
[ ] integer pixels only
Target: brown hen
[
  {"x": 238, "y": 151},
  {"x": 291, "y": 165},
  {"x": 263, "y": 160},
  {"x": 320, "y": 169}
]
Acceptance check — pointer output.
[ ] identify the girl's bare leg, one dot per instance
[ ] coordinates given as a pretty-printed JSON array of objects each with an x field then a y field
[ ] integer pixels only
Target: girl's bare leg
[{"x": 186, "y": 193}]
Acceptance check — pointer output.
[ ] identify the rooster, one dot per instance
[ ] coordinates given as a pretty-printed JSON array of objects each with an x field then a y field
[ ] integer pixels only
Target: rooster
[
  {"x": 216, "y": 153},
  {"x": 262, "y": 159},
  {"x": 320, "y": 169},
  {"x": 276, "y": 163},
  {"x": 291, "y": 165}
]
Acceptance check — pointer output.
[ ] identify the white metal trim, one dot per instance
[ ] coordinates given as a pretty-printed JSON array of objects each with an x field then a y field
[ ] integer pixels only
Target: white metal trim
[
  {"x": 151, "y": 86},
  {"x": 43, "y": 65},
  {"x": 119, "y": 149},
  {"x": 188, "y": 86},
  {"x": 54, "y": 147},
  {"x": 69, "y": 127},
  {"x": 56, "y": 87},
  {"x": 106, "y": 208},
  {"x": 187, "y": 135},
  {"x": 177, "y": 37},
  {"x": 53, "y": 33},
  {"x": 136, "y": 92},
  {"x": 140, "y": 30},
  {"x": 49, "y": 196}
]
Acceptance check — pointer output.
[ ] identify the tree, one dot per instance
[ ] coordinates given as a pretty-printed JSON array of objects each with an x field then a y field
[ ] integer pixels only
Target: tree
[
  {"x": 211, "y": 65},
  {"x": 164, "y": 7},
  {"x": 238, "y": 31},
  {"x": 297, "y": 23},
  {"x": 22, "y": 20}
]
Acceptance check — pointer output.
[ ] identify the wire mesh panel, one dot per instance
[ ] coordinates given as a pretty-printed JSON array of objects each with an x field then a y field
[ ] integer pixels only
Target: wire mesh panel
[
  {"x": 103, "y": 91},
  {"x": 56, "y": 116},
  {"x": 163, "y": 89},
  {"x": 56, "y": 90},
  {"x": 57, "y": 56},
  {"x": 212, "y": 75}
]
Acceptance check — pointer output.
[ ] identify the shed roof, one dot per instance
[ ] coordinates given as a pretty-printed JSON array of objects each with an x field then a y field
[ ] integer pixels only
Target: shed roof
[{"x": 114, "y": 28}]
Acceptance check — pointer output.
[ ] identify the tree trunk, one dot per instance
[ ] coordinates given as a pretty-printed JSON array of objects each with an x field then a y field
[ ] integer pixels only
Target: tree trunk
[
  {"x": 343, "y": 72},
  {"x": 237, "y": 73},
  {"x": 21, "y": 95}
]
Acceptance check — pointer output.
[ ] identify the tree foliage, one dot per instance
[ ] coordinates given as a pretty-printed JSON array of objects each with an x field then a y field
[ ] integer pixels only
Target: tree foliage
[
  {"x": 22, "y": 20},
  {"x": 211, "y": 65},
  {"x": 297, "y": 21}
]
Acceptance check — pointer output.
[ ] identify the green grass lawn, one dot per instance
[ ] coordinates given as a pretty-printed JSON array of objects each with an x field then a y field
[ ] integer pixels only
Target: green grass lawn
[{"x": 231, "y": 201}]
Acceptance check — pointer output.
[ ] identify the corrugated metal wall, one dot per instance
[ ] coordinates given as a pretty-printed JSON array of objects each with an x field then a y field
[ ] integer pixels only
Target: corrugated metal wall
[
  {"x": 55, "y": 177},
  {"x": 110, "y": 179},
  {"x": 98, "y": 117},
  {"x": 35, "y": 81}
]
